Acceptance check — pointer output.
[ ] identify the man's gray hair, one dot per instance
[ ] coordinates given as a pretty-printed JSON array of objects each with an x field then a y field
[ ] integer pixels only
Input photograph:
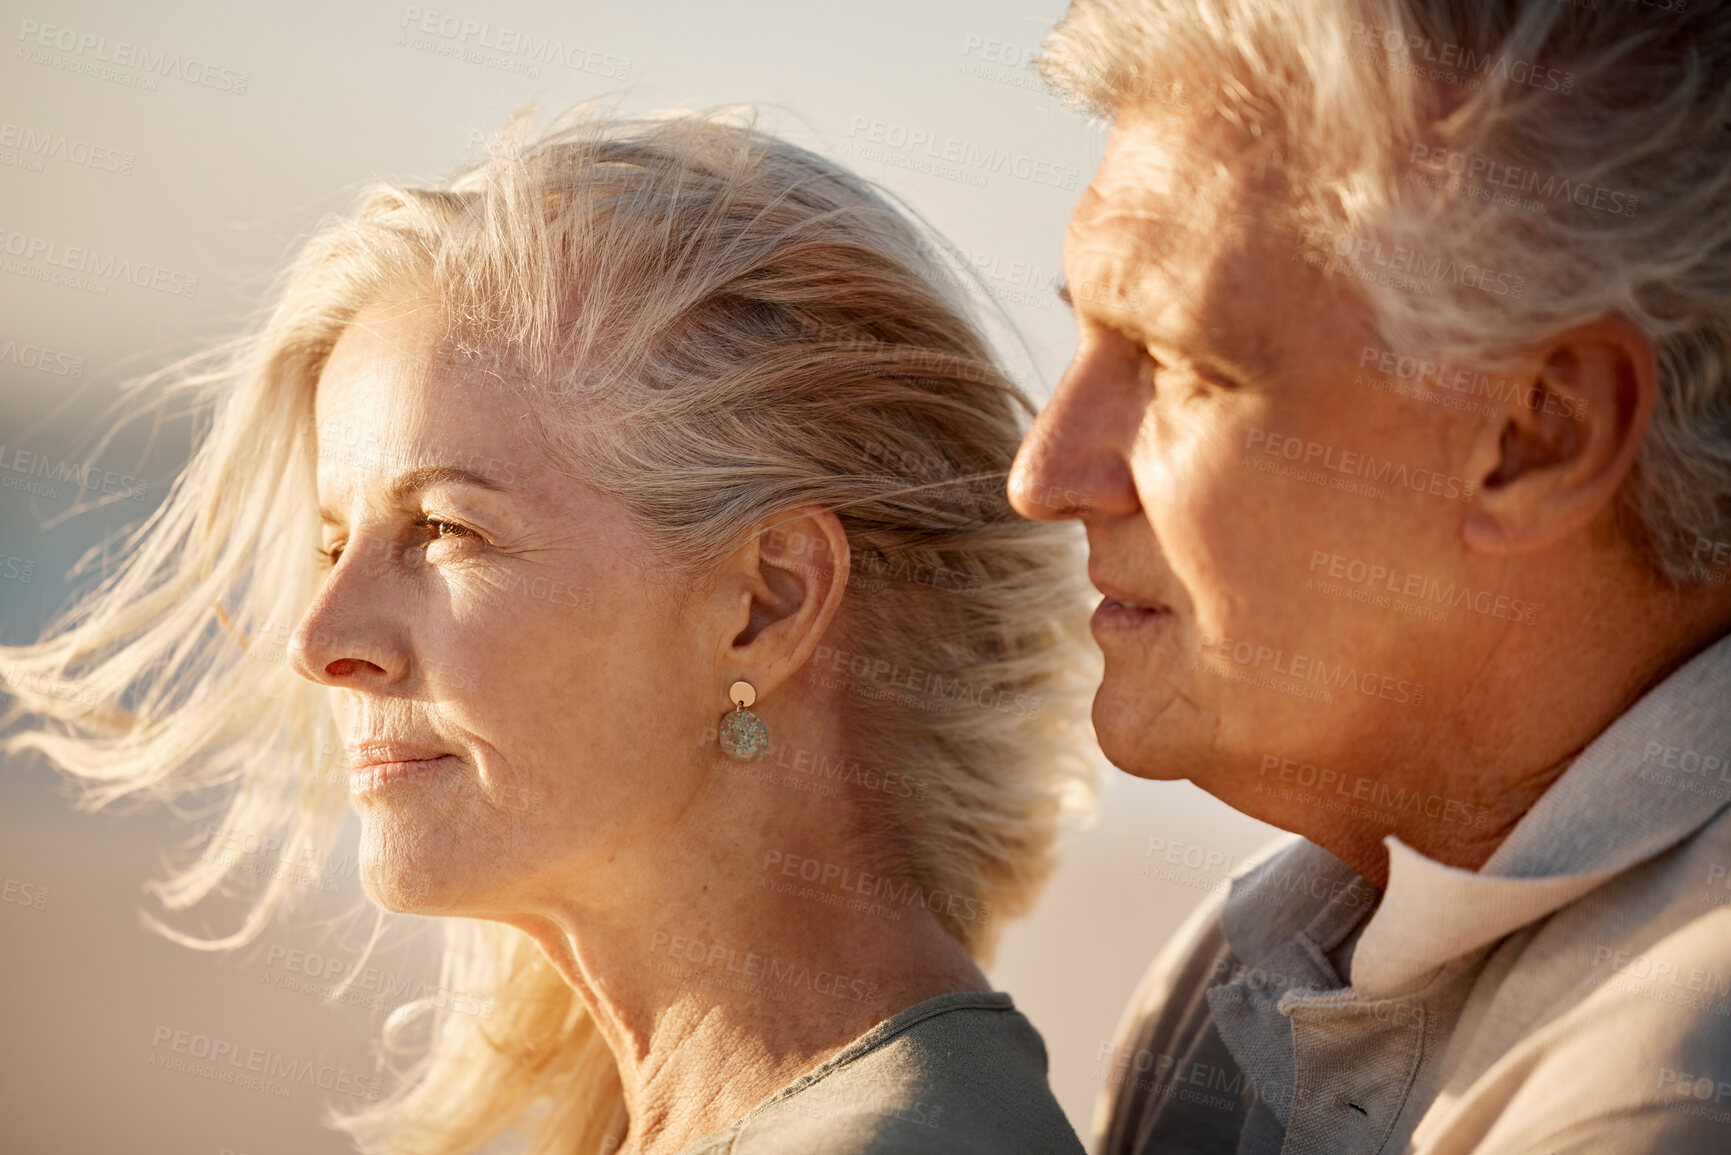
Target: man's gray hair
[{"x": 1492, "y": 173}]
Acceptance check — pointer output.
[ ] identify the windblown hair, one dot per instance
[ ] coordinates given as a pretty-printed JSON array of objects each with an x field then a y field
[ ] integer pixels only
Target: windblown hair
[
  {"x": 1557, "y": 162},
  {"x": 714, "y": 328}
]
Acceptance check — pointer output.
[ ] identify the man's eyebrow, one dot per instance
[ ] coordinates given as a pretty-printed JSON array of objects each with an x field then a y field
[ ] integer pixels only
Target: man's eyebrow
[
  {"x": 1234, "y": 354},
  {"x": 405, "y": 485}
]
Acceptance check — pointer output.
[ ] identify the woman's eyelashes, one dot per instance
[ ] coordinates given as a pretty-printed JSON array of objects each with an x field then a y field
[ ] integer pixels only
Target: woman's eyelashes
[
  {"x": 430, "y": 529},
  {"x": 438, "y": 527}
]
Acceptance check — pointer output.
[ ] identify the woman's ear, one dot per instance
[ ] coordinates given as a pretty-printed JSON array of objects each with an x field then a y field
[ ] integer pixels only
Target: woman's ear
[
  {"x": 784, "y": 586},
  {"x": 1564, "y": 437}
]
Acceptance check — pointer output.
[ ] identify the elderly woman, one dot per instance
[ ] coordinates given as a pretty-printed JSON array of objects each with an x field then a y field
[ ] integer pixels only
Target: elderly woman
[{"x": 629, "y": 515}]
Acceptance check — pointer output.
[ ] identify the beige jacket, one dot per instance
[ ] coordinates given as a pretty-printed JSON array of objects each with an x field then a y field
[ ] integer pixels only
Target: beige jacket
[{"x": 1573, "y": 995}]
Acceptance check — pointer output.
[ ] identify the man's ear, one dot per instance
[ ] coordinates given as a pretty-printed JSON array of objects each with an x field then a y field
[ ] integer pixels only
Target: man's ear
[
  {"x": 784, "y": 586},
  {"x": 1564, "y": 437}
]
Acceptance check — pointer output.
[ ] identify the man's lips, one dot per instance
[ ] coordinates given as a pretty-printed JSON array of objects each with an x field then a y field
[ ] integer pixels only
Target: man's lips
[
  {"x": 1145, "y": 607},
  {"x": 1119, "y": 597},
  {"x": 1120, "y": 609},
  {"x": 1113, "y": 614}
]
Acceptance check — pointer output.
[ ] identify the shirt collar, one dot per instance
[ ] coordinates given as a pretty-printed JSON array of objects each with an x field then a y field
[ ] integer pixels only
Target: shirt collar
[{"x": 1652, "y": 778}]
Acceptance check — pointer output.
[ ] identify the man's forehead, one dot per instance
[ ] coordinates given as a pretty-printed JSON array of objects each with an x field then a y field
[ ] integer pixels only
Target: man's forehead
[
  {"x": 1180, "y": 227},
  {"x": 1177, "y": 185}
]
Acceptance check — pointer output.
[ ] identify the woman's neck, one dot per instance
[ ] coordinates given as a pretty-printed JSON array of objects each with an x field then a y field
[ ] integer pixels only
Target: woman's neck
[{"x": 732, "y": 966}]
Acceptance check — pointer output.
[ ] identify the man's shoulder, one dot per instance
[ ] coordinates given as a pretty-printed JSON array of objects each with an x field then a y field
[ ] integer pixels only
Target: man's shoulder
[
  {"x": 1168, "y": 1013},
  {"x": 1610, "y": 1019}
]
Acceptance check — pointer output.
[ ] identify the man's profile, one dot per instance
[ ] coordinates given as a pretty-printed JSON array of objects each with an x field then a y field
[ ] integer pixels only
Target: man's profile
[{"x": 1401, "y": 432}]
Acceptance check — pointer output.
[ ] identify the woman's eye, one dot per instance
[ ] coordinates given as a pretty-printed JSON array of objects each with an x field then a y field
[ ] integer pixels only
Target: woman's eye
[
  {"x": 440, "y": 528},
  {"x": 435, "y": 529}
]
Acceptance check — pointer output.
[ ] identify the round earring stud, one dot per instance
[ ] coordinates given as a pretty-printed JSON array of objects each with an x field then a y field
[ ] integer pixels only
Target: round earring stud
[{"x": 744, "y": 737}]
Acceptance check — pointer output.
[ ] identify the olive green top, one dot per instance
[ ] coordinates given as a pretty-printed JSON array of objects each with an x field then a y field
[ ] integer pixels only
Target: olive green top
[{"x": 961, "y": 1074}]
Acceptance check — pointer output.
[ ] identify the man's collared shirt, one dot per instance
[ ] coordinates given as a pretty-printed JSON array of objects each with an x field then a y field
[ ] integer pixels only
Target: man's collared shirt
[{"x": 1572, "y": 995}]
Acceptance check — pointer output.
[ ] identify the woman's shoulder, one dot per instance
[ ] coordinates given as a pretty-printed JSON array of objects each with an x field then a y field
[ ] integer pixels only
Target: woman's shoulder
[{"x": 960, "y": 1073}]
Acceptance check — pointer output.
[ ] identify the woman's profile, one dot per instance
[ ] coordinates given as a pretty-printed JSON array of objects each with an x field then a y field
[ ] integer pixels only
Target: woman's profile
[{"x": 619, "y": 529}]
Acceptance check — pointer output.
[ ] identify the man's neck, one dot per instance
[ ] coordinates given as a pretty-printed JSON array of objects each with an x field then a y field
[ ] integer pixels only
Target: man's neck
[{"x": 1522, "y": 714}]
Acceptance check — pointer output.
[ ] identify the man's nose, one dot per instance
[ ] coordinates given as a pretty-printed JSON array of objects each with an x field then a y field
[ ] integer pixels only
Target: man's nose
[{"x": 1075, "y": 461}]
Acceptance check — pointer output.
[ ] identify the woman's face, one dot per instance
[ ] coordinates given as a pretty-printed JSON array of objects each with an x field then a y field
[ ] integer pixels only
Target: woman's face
[{"x": 520, "y": 697}]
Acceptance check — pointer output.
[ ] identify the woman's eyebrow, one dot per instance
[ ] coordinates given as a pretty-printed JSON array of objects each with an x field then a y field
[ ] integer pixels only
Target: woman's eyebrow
[{"x": 407, "y": 484}]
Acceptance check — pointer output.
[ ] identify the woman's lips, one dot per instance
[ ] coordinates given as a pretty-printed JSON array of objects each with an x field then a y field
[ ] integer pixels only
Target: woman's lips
[{"x": 377, "y": 775}]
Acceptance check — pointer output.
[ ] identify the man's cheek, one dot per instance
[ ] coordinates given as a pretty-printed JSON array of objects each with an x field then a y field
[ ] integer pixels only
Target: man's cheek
[{"x": 1210, "y": 520}]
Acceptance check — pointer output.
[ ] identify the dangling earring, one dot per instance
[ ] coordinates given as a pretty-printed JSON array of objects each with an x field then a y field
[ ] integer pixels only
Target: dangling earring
[{"x": 744, "y": 737}]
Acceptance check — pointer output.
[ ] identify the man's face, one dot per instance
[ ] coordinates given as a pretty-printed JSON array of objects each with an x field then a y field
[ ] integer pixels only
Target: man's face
[{"x": 1273, "y": 527}]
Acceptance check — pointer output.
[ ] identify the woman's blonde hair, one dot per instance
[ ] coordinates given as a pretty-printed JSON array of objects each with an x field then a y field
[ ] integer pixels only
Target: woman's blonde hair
[{"x": 744, "y": 329}]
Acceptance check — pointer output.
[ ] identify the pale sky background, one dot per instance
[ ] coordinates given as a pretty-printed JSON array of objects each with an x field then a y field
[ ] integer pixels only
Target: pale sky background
[{"x": 216, "y": 184}]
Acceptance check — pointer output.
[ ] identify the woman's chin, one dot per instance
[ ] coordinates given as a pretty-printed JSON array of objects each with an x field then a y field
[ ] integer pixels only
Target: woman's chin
[{"x": 404, "y": 892}]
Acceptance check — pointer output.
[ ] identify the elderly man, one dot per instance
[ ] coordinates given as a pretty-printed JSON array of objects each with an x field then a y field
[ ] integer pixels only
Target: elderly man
[{"x": 1400, "y": 429}]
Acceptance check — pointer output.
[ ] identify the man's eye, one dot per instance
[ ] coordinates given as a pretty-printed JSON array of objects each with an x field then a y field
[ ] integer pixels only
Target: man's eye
[
  {"x": 1148, "y": 366},
  {"x": 330, "y": 554}
]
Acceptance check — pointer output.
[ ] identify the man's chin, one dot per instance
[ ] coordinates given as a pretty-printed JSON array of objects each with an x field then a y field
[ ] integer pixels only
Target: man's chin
[{"x": 1140, "y": 736}]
